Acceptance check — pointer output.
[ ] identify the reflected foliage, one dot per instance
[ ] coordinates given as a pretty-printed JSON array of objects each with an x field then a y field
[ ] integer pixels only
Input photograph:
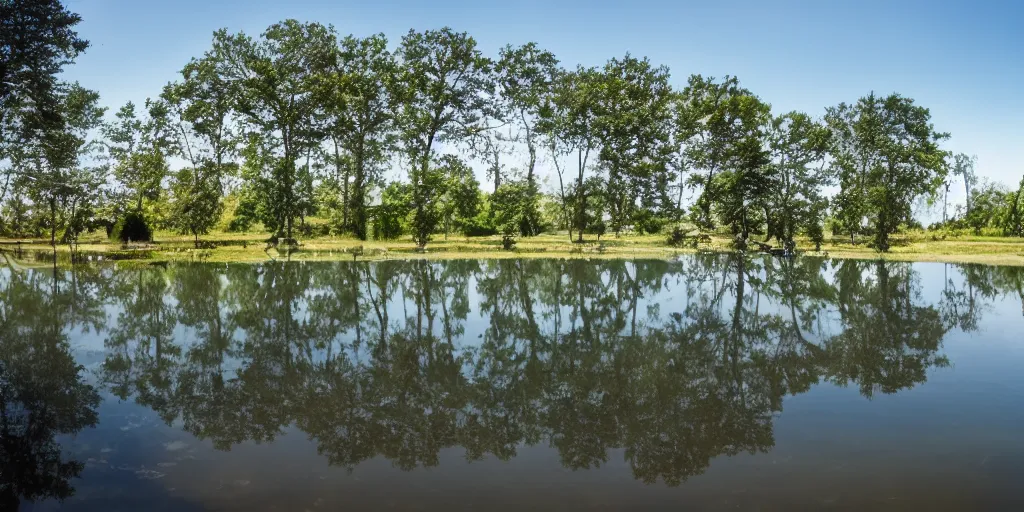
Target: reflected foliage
[
  {"x": 667, "y": 364},
  {"x": 42, "y": 394},
  {"x": 675, "y": 363}
]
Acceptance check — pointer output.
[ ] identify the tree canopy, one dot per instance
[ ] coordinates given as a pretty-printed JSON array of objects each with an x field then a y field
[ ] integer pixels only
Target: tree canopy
[{"x": 301, "y": 131}]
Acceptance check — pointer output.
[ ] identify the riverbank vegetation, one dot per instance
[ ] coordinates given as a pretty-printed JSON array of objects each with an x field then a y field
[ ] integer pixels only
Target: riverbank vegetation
[{"x": 301, "y": 133}]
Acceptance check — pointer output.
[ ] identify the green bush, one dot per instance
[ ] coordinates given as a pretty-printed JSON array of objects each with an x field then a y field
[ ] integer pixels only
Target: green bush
[
  {"x": 676, "y": 236},
  {"x": 646, "y": 222},
  {"x": 387, "y": 224},
  {"x": 132, "y": 228},
  {"x": 479, "y": 226}
]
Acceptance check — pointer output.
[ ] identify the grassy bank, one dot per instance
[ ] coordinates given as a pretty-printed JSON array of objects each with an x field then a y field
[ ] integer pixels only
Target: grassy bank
[{"x": 251, "y": 247}]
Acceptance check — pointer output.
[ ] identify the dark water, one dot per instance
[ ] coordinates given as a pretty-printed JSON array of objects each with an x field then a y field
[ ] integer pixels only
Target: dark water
[{"x": 711, "y": 383}]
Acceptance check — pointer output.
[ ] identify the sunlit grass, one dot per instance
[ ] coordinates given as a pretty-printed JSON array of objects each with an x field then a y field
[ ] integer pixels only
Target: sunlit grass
[{"x": 225, "y": 247}]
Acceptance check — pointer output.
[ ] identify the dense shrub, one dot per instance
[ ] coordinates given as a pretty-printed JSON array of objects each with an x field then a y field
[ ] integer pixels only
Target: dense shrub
[
  {"x": 646, "y": 222},
  {"x": 132, "y": 228},
  {"x": 479, "y": 226},
  {"x": 676, "y": 236},
  {"x": 387, "y": 223}
]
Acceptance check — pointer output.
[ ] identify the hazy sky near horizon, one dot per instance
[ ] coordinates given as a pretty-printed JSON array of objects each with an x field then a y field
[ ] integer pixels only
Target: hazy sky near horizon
[{"x": 963, "y": 60}]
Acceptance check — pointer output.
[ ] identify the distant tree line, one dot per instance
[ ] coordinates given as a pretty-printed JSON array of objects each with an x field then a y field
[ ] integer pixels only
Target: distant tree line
[{"x": 300, "y": 122}]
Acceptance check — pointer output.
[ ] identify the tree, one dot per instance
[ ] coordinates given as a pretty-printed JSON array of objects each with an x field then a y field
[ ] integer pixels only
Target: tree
[
  {"x": 716, "y": 125},
  {"x": 1014, "y": 224},
  {"x": 361, "y": 94},
  {"x": 990, "y": 207},
  {"x": 525, "y": 78},
  {"x": 569, "y": 123},
  {"x": 446, "y": 78},
  {"x": 200, "y": 113},
  {"x": 514, "y": 208},
  {"x": 37, "y": 39},
  {"x": 195, "y": 202},
  {"x": 274, "y": 79},
  {"x": 798, "y": 146},
  {"x": 139, "y": 148},
  {"x": 963, "y": 166},
  {"x": 745, "y": 182},
  {"x": 55, "y": 169},
  {"x": 201, "y": 110},
  {"x": 634, "y": 121},
  {"x": 459, "y": 193},
  {"x": 886, "y": 154},
  {"x": 391, "y": 216}
]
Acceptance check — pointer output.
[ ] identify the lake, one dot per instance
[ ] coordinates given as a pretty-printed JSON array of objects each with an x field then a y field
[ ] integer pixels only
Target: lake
[{"x": 714, "y": 382}]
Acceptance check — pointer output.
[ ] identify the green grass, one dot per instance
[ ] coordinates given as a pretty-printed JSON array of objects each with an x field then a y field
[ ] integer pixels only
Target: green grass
[{"x": 251, "y": 247}]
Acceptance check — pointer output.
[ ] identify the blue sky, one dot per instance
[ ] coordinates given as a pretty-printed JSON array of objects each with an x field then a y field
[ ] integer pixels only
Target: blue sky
[{"x": 963, "y": 60}]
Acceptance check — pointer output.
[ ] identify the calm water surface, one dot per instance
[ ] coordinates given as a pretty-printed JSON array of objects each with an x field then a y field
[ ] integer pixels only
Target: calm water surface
[{"x": 709, "y": 383}]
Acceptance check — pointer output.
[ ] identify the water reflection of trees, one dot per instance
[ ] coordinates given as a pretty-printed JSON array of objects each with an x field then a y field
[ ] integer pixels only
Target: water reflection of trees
[
  {"x": 674, "y": 363},
  {"x": 42, "y": 394}
]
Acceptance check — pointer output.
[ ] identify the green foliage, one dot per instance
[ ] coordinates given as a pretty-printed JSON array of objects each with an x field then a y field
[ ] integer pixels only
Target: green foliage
[
  {"x": 677, "y": 236},
  {"x": 633, "y": 124},
  {"x": 796, "y": 174},
  {"x": 139, "y": 148},
  {"x": 1014, "y": 222},
  {"x": 589, "y": 207},
  {"x": 390, "y": 217},
  {"x": 360, "y": 92},
  {"x": 52, "y": 171},
  {"x": 37, "y": 40},
  {"x": 513, "y": 208},
  {"x": 273, "y": 80},
  {"x": 646, "y": 221},
  {"x": 813, "y": 223},
  {"x": 446, "y": 77},
  {"x": 316, "y": 119},
  {"x": 886, "y": 154},
  {"x": 196, "y": 204},
  {"x": 719, "y": 126},
  {"x": 132, "y": 228},
  {"x": 524, "y": 79},
  {"x": 459, "y": 193}
]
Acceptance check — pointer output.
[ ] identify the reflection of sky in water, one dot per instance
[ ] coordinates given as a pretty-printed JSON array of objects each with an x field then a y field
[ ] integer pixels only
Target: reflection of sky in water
[{"x": 951, "y": 442}]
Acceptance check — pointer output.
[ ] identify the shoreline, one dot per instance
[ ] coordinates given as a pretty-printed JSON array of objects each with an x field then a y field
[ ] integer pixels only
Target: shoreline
[{"x": 251, "y": 248}]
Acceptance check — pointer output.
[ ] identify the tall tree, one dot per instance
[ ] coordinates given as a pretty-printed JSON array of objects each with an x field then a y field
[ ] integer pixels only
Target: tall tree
[
  {"x": 37, "y": 39},
  {"x": 570, "y": 125},
  {"x": 447, "y": 79},
  {"x": 886, "y": 154},
  {"x": 715, "y": 125},
  {"x": 361, "y": 96},
  {"x": 201, "y": 110},
  {"x": 139, "y": 147},
  {"x": 744, "y": 184},
  {"x": 798, "y": 146},
  {"x": 634, "y": 122},
  {"x": 963, "y": 166},
  {"x": 57, "y": 172},
  {"x": 274, "y": 76},
  {"x": 525, "y": 78}
]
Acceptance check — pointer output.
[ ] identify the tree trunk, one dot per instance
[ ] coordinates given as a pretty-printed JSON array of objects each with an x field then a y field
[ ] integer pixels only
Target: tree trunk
[
  {"x": 343, "y": 177},
  {"x": 358, "y": 197},
  {"x": 945, "y": 199},
  {"x": 497, "y": 170},
  {"x": 53, "y": 223}
]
